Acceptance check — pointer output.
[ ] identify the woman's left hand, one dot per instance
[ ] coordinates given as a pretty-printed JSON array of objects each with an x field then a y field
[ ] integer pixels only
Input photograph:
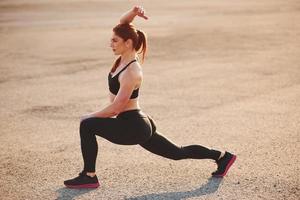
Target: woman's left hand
[{"x": 139, "y": 11}]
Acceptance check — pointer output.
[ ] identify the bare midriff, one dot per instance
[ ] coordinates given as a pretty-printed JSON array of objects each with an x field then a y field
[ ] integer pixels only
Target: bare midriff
[{"x": 131, "y": 105}]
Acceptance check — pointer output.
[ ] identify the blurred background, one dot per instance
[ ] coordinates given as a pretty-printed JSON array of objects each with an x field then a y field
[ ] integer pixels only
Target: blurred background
[{"x": 223, "y": 74}]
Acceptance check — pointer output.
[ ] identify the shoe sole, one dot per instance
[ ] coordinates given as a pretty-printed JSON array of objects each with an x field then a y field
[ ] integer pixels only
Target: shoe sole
[
  {"x": 227, "y": 167},
  {"x": 93, "y": 185}
]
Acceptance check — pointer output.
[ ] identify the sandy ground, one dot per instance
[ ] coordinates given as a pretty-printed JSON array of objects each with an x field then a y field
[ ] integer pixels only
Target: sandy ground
[{"x": 223, "y": 74}]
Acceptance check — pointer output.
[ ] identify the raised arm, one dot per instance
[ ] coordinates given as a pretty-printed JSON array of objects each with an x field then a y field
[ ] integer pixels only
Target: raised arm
[{"x": 129, "y": 16}]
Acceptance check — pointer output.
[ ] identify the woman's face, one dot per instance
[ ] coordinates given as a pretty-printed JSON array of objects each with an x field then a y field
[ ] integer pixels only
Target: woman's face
[{"x": 118, "y": 45}]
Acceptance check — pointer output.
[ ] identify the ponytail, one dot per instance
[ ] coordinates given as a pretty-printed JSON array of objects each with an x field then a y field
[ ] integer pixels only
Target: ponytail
[{"x": 141, "y": 44}]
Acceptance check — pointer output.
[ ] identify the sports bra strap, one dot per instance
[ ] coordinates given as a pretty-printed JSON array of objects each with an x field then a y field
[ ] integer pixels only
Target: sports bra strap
[{"x": 126, "y": 66}]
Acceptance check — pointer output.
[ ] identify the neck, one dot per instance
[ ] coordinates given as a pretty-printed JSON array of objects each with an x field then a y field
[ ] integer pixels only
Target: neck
[{"x": 128, "y": 56}]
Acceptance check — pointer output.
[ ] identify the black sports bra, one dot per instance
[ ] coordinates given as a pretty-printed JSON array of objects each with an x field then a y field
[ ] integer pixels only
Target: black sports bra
[{"x": 114, "y": 84}]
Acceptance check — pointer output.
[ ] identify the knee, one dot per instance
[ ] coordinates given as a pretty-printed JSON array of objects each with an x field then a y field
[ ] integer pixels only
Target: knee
[
  {"x": 181, "y": 154},
  {"x": 176, "y": 158},
  {"x": 85, "y": 126}
]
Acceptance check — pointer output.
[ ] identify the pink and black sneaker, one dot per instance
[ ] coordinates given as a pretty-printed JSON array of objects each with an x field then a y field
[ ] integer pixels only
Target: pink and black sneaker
[
  {"x": 224, "y": 164},
  {"x": 82, "y": 181}
]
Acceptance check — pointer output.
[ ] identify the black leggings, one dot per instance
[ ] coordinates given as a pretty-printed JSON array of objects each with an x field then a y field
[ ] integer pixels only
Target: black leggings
[{"x": 130, "y": 128}]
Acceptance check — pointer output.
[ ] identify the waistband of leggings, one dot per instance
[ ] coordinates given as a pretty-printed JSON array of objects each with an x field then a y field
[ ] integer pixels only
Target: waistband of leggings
[{"x": 132, "y": 113}]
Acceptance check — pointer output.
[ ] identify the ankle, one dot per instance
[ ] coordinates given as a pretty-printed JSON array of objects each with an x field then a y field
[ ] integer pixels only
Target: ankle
[
  {"x": 221, "y": 155},
  {"x": 91, "y": 174}
]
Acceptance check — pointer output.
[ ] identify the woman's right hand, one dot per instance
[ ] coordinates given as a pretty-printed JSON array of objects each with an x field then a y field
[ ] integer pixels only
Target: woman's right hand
[{"x": 139, "y": 11}]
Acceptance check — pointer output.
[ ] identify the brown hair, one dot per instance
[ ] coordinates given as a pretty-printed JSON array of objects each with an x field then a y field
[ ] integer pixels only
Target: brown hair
[{"x": 138, "y": 37}]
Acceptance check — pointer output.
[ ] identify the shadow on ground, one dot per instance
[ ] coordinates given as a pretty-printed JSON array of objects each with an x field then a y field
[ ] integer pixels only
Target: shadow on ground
[
  {"x": 69, "y": 194},
  {"x": 211, "y": 186}
]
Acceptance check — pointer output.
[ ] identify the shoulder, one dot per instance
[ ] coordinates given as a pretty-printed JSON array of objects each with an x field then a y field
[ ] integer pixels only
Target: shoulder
[{"x": 134, "y": 70}]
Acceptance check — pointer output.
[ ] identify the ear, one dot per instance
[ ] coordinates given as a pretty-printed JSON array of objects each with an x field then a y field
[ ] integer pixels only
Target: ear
[{"x": 128, "y": 43}]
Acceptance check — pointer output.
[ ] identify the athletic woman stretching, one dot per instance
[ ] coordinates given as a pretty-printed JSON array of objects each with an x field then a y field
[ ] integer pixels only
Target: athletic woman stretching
[{"x": 131, "y": 126}]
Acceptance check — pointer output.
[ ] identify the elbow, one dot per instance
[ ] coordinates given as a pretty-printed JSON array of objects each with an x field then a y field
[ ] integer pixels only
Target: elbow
[{"x": 124, "y": 22}]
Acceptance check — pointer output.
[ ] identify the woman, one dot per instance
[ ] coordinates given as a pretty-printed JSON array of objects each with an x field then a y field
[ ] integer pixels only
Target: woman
[{"x": 131, "y": 126}]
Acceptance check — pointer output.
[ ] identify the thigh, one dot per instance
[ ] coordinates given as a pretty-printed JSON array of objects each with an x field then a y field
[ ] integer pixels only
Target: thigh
[
  {"x": 160, "y": 145},
  {"x": 115, "y": 130}
]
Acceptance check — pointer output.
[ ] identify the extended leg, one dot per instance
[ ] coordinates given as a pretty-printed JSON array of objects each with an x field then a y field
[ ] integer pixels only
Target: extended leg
[{"x": 160, "y": 145}]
